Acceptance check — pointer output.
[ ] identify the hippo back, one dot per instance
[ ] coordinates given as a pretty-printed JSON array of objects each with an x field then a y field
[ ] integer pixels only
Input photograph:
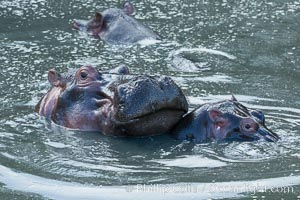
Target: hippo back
[{"x": 122, "y": 28}]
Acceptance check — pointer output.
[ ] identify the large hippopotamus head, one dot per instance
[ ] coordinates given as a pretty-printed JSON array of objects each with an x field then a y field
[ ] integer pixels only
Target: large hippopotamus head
[
  {"x": 84, "y": 99},
  {"x": 116, "y": 26},
  {"x": 226, "y": 120}
]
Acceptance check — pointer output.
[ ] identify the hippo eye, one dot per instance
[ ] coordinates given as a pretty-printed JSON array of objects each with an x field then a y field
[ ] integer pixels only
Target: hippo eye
[
  {"x": 249, "y": 125},
  {"x": 83, "y": 74}
]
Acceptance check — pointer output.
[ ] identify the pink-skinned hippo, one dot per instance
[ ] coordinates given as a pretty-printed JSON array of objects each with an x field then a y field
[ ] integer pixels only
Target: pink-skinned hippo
[
  {"x": 88, "y": 100},
  {"x": 85, "y": 99},
  {"x": 116, "y": 26},
  {"x": 225, "y": 120}
]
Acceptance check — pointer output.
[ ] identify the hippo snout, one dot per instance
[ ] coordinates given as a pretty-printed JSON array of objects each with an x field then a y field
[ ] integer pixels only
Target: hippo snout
[
  {"x": 144, "y": 95},
  {"x": 79, "y": 24},
  {"x": 147, "y": 106}
]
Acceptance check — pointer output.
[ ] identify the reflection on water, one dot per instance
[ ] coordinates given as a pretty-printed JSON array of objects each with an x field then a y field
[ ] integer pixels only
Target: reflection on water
[
  {"x": 191, "y": 161},
  {"x": 211, "y": 49}
]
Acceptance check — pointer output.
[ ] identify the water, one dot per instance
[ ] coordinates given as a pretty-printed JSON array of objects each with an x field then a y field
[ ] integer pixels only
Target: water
[{"x": 212, "y": 49}]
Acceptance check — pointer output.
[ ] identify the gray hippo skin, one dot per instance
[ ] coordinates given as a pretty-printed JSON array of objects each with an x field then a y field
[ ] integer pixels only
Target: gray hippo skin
[
  {"x": 226, "y": 120},
  {"x": 116, "y": 26},
  {"x": 85, "y": 99}
]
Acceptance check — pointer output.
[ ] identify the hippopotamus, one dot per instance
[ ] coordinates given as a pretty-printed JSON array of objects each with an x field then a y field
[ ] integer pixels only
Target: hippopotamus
[
  {"x": 87, "y": 100},
  {"x": 115, "y": 25},
  {"x": 225, "y": 120}
]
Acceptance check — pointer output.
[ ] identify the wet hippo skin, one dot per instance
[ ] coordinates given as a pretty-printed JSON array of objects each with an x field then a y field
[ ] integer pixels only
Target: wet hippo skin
[
  {"x": 85, "y": 99},
  {"x": 116, "y": 26},
  {"x": 225, "y": 120}
]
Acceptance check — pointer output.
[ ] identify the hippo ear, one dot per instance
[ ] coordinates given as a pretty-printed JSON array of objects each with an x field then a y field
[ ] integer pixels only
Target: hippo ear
[
  {"x": 55, "y": 78},
  {"x": 214, "y": 114},
  {"x": 128, "y": 8},
  {"x": 233, "y": 98},
  {"x": 98, "y": 17}
]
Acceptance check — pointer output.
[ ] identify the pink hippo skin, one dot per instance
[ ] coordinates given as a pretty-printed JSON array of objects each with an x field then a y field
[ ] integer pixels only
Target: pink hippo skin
[{"x": 136, "y": 106}]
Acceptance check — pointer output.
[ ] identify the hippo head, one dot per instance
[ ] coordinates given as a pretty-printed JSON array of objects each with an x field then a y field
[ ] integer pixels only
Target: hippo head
[
  {"x": 85, "y": 100},
  {"x": 226, "y": 120},
  {"x": 76, "y": 99},
  {"x": 100, "y": 21}
]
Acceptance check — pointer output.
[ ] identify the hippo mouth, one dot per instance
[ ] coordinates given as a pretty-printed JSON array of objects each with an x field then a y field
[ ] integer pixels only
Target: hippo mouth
[
  {"x": 267, "y": 134},
  {"x": 154, "y": 123},
  {"x": 80, "y": 25},
  {"x": 151, "y": 114},
  {"x": 263, "y": 133},
  {"x": 85, "y": 26}
]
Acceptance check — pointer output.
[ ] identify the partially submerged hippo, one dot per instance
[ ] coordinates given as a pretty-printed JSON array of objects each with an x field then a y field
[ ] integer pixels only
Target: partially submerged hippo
[
  {"x": 116, "y": 26},
  {"x": 225, "y": 120},
  {"x": 137, "y": 106}
]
